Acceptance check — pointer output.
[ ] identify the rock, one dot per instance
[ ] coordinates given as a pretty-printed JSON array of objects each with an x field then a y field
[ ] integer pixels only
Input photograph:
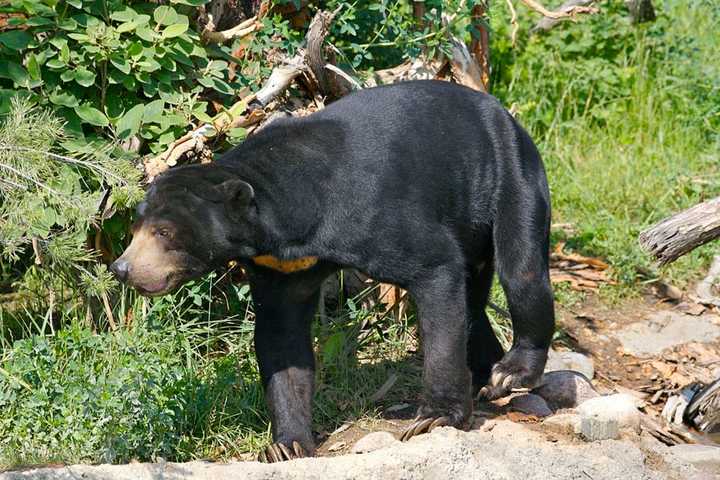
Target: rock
[
  {"x": 605, "y": 417},
  {"x": 507, "y": 452},
  {"x": 570, "y": 361},
  {"x": 667, "y": 329},
  {"x": 563, "y": 423},
  {"x": 530, "y": 404},
  {"x": 565, "y": 389},
  {"x": 373, "y": 441},
  {"x": 704, "y": 457}
]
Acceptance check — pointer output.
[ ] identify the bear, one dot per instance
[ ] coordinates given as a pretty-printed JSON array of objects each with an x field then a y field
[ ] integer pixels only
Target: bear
[{"x": 428, "y": 185}]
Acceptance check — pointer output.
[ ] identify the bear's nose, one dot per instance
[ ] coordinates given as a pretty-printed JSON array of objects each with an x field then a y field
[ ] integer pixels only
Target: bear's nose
[{"x": 120, "y": 268}]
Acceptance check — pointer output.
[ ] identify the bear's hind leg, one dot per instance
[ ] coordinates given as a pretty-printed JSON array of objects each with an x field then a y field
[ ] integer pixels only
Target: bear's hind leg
[
  {"x": 484, "y": 349},
  {"x": 442, "y": 310},
  {"x": 521, "y": 239}
]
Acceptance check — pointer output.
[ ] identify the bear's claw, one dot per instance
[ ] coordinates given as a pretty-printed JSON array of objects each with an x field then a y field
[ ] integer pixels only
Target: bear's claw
[
  {"x": 423, "y": 425},
  {"x": 278, "y": 452}
]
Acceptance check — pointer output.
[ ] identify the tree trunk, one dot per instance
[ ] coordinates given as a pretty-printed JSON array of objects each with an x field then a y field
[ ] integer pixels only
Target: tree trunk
[
  {"x": 677, "y": 235},
  {"x": 641, "y": 10},
  {"x": 480, "y": 45}
]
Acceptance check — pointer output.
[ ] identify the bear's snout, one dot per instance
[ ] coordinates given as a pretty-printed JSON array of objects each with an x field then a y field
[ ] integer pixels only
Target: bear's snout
[{"x": 120, "y": 268}]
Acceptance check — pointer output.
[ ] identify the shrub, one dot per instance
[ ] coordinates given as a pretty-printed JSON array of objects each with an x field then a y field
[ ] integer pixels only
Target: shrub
[{"x": 138, "y": 394}]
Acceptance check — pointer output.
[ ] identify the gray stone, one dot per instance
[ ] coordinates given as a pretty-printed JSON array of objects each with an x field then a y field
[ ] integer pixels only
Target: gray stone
[
  {"x": 704, "y": 457},
  {"x": 666, "y": 329},
  {"x": 509, "y": 451},
  {"x": 565, "y": 389},
  {"x": 570, "y": 361},
  {"x": 373, "y": 441},
  {"x": 530, "y": 404},
  {"x": 563, "y": 423},
  {"x": 605, "y": 417}
]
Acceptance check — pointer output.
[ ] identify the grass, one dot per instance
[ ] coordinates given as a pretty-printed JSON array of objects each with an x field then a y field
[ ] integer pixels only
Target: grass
[
  {"x": 627, "y": 119},
  {"x": 632, "y": 138}
]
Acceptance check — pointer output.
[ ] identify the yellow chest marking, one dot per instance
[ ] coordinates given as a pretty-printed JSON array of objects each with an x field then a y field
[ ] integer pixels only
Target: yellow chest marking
[{"x": 285, "y": 266}]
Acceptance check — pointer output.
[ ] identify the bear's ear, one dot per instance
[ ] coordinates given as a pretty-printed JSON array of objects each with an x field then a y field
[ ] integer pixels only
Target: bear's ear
[{"x": 236, "y": 191}]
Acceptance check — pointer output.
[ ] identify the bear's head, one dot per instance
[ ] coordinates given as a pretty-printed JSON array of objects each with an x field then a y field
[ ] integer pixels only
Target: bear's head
[{"x": 193, "y": 220}]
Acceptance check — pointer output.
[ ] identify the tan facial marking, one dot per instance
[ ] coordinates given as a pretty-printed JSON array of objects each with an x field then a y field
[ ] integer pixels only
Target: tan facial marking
[{"x": 150, "y": 263}]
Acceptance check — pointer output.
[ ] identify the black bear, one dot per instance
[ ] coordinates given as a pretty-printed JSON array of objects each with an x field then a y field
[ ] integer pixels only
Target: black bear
[{"x": 427, "y": 185}]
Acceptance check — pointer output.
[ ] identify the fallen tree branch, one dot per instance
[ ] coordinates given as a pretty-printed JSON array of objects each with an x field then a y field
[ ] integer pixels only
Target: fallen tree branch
[
  {"x": 245, "y": 28},
  {"x": 677, "y": 235},
  {"x": 563, "y": 12},
  {"x": 547, "y": 23},
  {"x": 331, "y": 84}
]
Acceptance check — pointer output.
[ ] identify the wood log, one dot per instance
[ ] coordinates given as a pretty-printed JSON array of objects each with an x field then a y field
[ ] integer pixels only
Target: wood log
[{"x": 677, "y": 235}]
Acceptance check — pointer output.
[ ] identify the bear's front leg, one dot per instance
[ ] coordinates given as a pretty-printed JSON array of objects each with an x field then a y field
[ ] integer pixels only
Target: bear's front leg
[
  {"x": 442, "y": 315},
  {"x": 284, "y": 309}
]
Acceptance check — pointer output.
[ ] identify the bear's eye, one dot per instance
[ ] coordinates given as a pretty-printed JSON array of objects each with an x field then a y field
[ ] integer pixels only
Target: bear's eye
[{"x": 162, "y": 233}]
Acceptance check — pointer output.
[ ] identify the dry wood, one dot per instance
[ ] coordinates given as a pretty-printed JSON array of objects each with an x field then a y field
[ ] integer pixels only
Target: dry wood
[
  {"x": 547, "y": 23},
  {"x": 238, "y": 115},
  {"x": 331, "y": 84},
  {"x": 567, "y": 12},
  {"x": 479, "y": 47},
  {"x": 677, "y": 235},
  {"x": 209, "y": 35}
]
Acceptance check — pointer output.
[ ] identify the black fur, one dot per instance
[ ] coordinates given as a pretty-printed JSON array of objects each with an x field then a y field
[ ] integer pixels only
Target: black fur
[{"x": 428, "y": 185}]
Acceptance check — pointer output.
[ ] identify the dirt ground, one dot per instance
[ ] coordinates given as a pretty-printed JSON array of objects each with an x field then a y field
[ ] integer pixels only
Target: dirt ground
[{"x": 590, "y": 328}]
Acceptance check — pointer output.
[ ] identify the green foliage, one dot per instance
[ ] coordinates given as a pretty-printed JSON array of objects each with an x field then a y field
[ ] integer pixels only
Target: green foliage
[
  {"x": 627, "y": 121},
  {"x": 127, "y": 67},
  {"x": 139, "y": 394},
  {"x": 51, "y": 200}
]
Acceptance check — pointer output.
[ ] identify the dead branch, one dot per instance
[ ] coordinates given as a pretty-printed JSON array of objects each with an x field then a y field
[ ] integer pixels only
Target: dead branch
[
  {"x": 679, "y": 234},
  {"x": 331, "y": 85},
  {"x": 238, "y": 115},
  {"x": 566, "y": 12},
  {"x": 479, "y": 46},
  {"x": 547, "y": 23},
  {"x": 245, "y": 28}
]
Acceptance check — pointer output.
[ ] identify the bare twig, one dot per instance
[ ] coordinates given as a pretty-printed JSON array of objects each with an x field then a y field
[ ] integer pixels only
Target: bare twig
[{"x": 567, "y": 12}]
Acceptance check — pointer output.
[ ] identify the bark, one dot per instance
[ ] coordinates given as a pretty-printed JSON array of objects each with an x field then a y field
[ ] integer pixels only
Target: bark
[
  {"x": 547, "y": 23},
  {"x": 479, "y": 47},
  {"x": 677, "y": 235},
  {"x": 641, "y": 11}
]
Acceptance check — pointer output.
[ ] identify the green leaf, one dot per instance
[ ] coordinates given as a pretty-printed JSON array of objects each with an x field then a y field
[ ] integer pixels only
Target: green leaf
[
  {"x": 15, "y": 39},
  {"x": 56, "y": 63},
  {"x": 120, "y": 63},
  {"x": 126, "y": 15},
  {"x": 68, "y": 24},
  {"x": 165, "y": 15},
  {"x": 80, "y": 37},
  {"x": 153, "y": 111},
  {"x": 38, "y": 22},
  {"x": 145, "y": 33},
  {"x": 126, "y": 27},
  {"x": 33, "y": 67},
  {"x": 75, "y": 3},
  {"x": 174, "y": 30},
  {"x": 135, "y": 50},
  {"x": 67, "y": 75},
  {"x": 84, "y": 77},
  {"x": 14, "y": 72},
  {"x": 129, "y": 124},
  {"x": 64, "y": 98},
  {"x": 91, "y": 115},
  {"x": 65, "y": 53}
]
